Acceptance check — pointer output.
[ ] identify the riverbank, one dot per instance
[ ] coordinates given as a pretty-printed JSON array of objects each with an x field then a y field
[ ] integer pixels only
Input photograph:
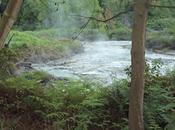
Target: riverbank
[
  {"x": 28, "y": 47},
  {"x": 160, "y": 40},
  {"x": 102, "y": 61},
  {"x": 42, "y": 46},
  {"x": 157, "y": 40},
  {"x": 36, "y": 100}
]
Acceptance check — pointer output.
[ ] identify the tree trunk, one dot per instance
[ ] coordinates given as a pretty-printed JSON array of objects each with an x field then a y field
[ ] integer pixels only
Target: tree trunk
[
  {"x": 138, "y": 63},
  {"x": 9, "y": 17}
]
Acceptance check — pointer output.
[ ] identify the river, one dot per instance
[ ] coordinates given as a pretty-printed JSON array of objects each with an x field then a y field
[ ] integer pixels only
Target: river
[{"x": 102, "y": 61}]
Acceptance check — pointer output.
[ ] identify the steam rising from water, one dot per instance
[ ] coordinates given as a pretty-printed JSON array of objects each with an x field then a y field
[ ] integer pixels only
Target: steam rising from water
[
  {"x": 101, "y": 61},
  {"x": 65, "y": 16}
]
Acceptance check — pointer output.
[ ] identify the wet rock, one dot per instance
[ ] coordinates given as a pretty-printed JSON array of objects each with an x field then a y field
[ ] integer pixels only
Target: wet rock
[
  {"x": 26, "y": 65},
  {"x": 45, "y": 81}
]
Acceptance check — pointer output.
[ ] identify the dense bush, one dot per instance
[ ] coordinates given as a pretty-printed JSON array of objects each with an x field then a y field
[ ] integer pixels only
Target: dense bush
[
  {"x": 160, "y": 23},
  {"x": 32, "y": 14}
]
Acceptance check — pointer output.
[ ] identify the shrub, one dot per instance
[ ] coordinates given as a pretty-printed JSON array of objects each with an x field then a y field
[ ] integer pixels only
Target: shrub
[
  {"x": 161, "y": 23},
  {"x": 8, "y": 58},
  {"x": 120, "y": 33}
]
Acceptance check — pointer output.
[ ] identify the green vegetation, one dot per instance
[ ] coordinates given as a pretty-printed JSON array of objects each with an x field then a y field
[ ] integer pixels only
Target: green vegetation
[
  {"x": 7, "y": 59},
  {"x": 120, "y": 33},
  {"x": 36, "y": 100},
  {"x": 162, "y": 39},
  {"x": 37, "y": 14},
  {"x": 61, "y": 104},
  {"x": 43, "y": 45}
]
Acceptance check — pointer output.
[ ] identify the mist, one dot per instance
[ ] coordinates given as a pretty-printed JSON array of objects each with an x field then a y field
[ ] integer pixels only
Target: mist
[{"x": 65, "y": 16}]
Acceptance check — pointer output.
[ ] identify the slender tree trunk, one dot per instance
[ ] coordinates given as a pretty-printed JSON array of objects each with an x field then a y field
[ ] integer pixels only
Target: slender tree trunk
[
  {"x": 0, "y": 12},
  {"x": 9, "y": 17},
  {"x": 138, "y": 63}
]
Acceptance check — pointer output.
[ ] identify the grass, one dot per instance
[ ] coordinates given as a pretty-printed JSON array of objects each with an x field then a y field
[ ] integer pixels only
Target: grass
[
  {"x": 43, "y": 45},
  {"x": 160, "y": 36}
]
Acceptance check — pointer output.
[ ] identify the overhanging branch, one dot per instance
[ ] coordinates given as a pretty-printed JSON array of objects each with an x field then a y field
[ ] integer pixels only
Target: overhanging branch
[
  {"x": 106, "y": 20},
  {"x": 81, "y": 30},
  {"x": 96, "y": 19},
  {"x": 163, "y": 6}
]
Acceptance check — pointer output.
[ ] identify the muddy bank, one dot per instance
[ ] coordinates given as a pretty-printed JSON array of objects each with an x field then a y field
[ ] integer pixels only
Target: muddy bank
[
  {"x": 28, "y": 54},
  {"x": 44, "y": 54}
]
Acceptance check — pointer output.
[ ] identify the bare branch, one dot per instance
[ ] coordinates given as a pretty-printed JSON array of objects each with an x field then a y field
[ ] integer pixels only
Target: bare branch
[
  {"x": 163, "y": 6},
  {"x": 98, "y": 20},
  {"x": 106, "y": 20},
  {"x": 81, "y": 30}
]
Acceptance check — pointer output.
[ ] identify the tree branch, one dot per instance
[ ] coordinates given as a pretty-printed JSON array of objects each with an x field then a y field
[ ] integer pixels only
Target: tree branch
[
  {"x": 98, "y": 20},
  {"x": 106, "y": 20},
  {"x": 81, "y": 30},
  {"x": 163, "y": 6}
]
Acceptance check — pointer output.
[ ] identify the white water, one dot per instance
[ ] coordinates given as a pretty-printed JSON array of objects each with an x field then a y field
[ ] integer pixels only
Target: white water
[{"x": 102, "y": 60}]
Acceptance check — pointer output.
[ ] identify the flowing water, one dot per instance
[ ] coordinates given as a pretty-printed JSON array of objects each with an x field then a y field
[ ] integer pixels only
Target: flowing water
[{"x": 101, "y": 61}]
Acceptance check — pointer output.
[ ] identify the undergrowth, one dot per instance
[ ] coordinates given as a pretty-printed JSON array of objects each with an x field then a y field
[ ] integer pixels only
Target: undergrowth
[
  {"x": 36, "y": 100},
  {"x": 8, "y": 58}
]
